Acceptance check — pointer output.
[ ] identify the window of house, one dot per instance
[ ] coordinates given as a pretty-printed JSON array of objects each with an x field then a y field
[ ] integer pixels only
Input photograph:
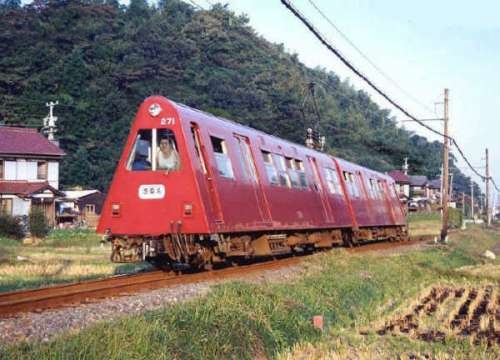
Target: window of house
[
  {"x": 42, "y": 170},
  {"x": 222, "y": 160},
  {"x": 299, "y": 167},
  {"x": 283, "y": 176},
  {"x": 90, "y": 208},
  {"x": 154, "y": 149},
  {"x": 272, "y": 174},
  {"x": 332, "y": 181}
]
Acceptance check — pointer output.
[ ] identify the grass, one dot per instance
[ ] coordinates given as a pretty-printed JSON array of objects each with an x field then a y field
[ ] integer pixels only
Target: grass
[
  {"x": 239, "y": 320},
  {"x": 424, "y": 223},
  {"x": 64, "y": 256}
]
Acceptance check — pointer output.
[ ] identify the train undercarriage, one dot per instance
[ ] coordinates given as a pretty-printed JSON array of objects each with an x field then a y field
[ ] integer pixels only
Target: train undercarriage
[{"x": 202, "y": 251}]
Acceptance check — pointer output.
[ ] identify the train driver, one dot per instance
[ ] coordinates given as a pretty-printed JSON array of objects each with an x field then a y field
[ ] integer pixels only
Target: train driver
[{"x": 167, "y": 156}]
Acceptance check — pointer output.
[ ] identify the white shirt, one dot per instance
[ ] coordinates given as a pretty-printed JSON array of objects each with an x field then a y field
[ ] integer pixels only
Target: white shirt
[{"x": 167, "y": 162}]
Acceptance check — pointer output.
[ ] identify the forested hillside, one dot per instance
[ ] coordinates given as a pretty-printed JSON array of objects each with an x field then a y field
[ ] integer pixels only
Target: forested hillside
[{"x": 100, "y": 59}]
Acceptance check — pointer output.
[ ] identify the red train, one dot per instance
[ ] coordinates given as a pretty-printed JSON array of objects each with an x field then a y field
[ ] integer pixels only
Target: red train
[{"x": 191, "y": 188}]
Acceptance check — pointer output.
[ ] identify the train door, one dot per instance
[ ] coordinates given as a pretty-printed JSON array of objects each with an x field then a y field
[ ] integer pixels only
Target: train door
[
  {"x": 387, "y": 198},
  {"x": 207, "y": 171},
  {"x": 319, "y": 189},
  {"x": 249, "y": 172}
]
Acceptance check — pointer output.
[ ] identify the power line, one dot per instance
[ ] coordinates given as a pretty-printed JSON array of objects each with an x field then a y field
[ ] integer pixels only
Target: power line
[
  {"x": 347, "y": 63},
  {"x": 375, "y": 66}
]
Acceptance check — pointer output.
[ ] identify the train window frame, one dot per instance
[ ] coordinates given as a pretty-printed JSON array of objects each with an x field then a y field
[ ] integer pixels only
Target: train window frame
[
  {"x": 292, "y": 172},
  {"x": 221, "y": 155},
  {"x": 299, "y": 167},
  {"x": 145, "y": 156},
  {"x": 271, "y": 172},
  {"x": 195, "y": 132},
  {"x": 283, "y": 176},
  {"x": 140, "y": 160},
  {"x": 332, "y": 181},
  {"x": 161, "y": 136},
  {"x": 246, "y": 159}
]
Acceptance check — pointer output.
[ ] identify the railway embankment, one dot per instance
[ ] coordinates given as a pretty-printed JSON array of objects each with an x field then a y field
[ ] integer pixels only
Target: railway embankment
[{"x": 363, "y": 299}]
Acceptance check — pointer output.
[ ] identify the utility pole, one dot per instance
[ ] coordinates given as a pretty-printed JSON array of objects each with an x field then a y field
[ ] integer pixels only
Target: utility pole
[
  {"x": 488, "y": 210},
  {"x": 471, "y": 199},
  {"x": 444, "y": 229},
  {"x": 49, "y": 122}
]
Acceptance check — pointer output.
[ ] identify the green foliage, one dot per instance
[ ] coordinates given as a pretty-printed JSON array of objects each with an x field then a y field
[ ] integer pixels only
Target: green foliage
[
  {"x": 38, "y": 223},
  {"x": 455, "y": 218},
  {"x": 10, "y": 227},
  {"x": 100, "y": 60}
]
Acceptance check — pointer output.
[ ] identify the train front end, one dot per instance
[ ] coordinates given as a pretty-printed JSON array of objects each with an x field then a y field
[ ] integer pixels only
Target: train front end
[{"x": 153, "y": 203}]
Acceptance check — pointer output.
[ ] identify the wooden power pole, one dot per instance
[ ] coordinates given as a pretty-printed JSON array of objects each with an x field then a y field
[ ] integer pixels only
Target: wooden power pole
[
  {"x": 487, "y": 202},
  {"x": 444, "y": 194}
]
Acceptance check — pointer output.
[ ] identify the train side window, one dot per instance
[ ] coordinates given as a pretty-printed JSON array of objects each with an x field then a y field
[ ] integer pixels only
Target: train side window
[
  {"x": 299, "y": 167},
  {"x": 222, "y": 160},
  {"x": 332, "y": 181},
  {"x": 381, "y": 189},
  {"x": 167, "y": 155},
  {"x": 246, "y": 159},
  {"x": 140, "y": 158},
  {"x": 352, "y": 189},
  {"x": 294, "y": 176},
  {"x": 373, "y": 189},
  {"x": 272, "y": 174},
  {"x": 284, "y": 178}
]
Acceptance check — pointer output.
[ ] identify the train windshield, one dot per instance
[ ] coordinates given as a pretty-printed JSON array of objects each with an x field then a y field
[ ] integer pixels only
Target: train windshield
[{"x": 154, "y": 150}]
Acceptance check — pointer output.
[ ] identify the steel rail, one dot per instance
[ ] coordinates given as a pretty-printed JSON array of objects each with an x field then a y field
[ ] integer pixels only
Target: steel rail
[{"x": 57, "y": 296}]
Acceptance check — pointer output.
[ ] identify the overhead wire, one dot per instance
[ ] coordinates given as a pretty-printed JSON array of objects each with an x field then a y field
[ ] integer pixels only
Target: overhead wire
[
  {"x": 347, "y": 63},
  {"x": 375, "y": 66}
]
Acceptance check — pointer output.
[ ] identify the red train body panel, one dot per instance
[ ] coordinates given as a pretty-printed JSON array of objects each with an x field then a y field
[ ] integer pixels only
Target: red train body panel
[{"x": 229, "y": 181}]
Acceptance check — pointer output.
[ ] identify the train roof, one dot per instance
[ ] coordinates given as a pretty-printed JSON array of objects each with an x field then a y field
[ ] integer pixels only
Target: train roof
[{"x": 185, "y": 108}]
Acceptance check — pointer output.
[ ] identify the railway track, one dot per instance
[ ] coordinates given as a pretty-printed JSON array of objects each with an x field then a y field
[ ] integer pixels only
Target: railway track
[{"x": 51, "y": 297}]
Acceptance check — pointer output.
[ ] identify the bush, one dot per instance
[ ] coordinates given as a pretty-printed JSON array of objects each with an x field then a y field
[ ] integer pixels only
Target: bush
[
  {"x": 11, "y": 227},
  {"x": 38, "y": 223},
  {"x": 455, "y": 218}
]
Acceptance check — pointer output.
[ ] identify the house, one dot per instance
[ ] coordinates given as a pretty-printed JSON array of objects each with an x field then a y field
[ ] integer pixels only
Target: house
[
  {"x": 402, "y": 184},
  {"x": 79, "y": 207},
  {"x": 418, "y": 186},
  {"x": 434, "y": 191},
  {"x": 29, "y": 172}
]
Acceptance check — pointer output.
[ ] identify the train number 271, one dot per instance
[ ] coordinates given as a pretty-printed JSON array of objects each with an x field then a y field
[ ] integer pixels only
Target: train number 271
[{"x": 167, "y": 121}]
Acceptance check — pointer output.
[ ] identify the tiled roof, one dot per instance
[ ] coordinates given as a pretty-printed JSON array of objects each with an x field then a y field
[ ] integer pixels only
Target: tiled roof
[
  {"x": 418, "y": 180},
  {"x": 23, "y": 141},
  {"x": 399, "y": 176},
  {"x": 435, "y": 184},
  {"x": 25, "y": 188}
]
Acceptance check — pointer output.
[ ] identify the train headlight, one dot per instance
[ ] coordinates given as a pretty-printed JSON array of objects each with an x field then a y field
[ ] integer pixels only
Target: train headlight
[
  {"x": 115, "y": 209},
  {"x": 154, "y": 109}
]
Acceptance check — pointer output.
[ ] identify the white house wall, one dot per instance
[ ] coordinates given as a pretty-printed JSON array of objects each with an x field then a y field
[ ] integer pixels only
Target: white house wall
[
  {"x": 31, "y": 171},
  {"x": 10, "y": 170},
  {"x": 53, "y": 174},
  {"x": 20, "y": 207},
  {"x": 21, "y": 169}
]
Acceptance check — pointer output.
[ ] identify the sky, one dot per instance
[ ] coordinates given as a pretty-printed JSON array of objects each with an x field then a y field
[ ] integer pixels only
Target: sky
[{"x": 424, "y": 46}]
